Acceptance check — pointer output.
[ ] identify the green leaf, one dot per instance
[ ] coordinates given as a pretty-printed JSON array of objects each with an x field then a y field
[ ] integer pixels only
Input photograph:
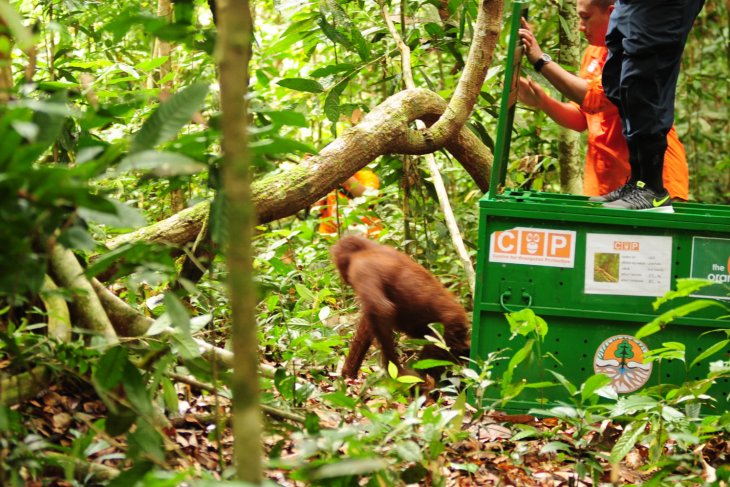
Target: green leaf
[
  {"x": 685, "y": 287},
  {"x": 145, "y": 442},
  {"x": 287, "y": 117},
  {"x": 340, "y": 399},
  {"x": 592, "y": 384},
  {"x": 169, "y": 396},
  {"x": 332, "y": 102},
  {"x": 361, "y": 45},
  {"x": 434, "y": 29},
  {"x": 627, "y": 441},
  {"x": 280, "y": 145},
  {"x": 663, "y": 319},
  {"x": 178, "y": 313},
  {"x": 331, "y": 69},
  {"x": 349, "y": 468},
  {"x": 430, "y": 363},
  {"x": 525, "y": 321},
  {"x": 517, "y": 359},
  {"x": 392, "y": 370},
  {"x": 109, "y": 369},
  {"x": 311, "y": 423},
  {"x": 334, "y": 34},
  {"x": 77, "y": 238},
  {"x": 14, "y": 21},
  {"x": 555, "y": 446},
  {"x": 301, "y": 84},
  {"x": 710, "y": 351},
  {"x": 565, "y": 383},
  {"x": 161, "y": 164},
  {"x": 150, "y": 64},
  {"x": 409, "y": 451},
  {"x": 408, "y": 379},
  {"x": 136, "y": 391},
  {"x": 169, "y": 117},
  {"x": 304, "y": 292}
]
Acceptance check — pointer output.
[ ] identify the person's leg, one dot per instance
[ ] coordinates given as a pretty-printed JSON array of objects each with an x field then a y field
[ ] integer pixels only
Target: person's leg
[
  {"x": 655, "y": 33},
  {"x": 611, "y": 78}
]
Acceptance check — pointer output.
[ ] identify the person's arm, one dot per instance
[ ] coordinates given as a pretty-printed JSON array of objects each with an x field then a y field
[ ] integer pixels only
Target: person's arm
[
  {"x": 355, "y": 187},
  {"x": 571, "y": 86},
  {"x": 566, "y": 114}
]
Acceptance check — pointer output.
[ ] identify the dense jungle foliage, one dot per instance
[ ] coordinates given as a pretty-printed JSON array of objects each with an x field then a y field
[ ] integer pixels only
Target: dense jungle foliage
[{"x": 115, "y": 317}]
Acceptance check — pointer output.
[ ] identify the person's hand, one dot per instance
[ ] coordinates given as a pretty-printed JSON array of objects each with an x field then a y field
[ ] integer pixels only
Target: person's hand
[
  {"x": 532, "y": 48},
  {"x": 531, "y": 93}
]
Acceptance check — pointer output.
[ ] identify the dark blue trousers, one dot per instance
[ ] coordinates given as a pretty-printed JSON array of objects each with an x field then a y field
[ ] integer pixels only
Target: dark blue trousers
[{"x": 645, "y": 41}]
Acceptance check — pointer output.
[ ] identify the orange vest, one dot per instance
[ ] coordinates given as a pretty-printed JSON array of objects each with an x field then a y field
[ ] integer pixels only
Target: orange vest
[
  {"x": 328, "y": 218},
  {"x": 607, "y": 159}
]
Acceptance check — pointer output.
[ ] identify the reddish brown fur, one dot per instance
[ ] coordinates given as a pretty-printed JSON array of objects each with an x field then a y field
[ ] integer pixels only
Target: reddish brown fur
[{"x": 396, "y": 293}]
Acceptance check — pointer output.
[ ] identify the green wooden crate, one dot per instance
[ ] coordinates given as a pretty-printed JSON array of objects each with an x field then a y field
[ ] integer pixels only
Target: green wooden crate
[{"x": 593, "y": 273}]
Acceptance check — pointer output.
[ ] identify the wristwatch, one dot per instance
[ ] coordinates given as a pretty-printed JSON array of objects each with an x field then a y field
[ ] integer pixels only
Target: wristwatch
[{"x": 542, "y": 61}]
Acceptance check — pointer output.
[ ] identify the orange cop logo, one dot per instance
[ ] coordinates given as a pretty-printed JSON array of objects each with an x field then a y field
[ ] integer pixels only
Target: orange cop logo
[{"x": 621, "y": 357}]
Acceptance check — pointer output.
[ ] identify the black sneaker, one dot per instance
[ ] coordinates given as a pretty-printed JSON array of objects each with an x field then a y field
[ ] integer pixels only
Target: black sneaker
[
  {"x": 645, "y": 199},
  {"x": 614, "y": 195}
]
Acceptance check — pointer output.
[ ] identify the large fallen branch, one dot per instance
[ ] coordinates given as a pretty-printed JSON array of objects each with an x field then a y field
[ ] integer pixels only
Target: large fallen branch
[{"x": 86, "y": 306}]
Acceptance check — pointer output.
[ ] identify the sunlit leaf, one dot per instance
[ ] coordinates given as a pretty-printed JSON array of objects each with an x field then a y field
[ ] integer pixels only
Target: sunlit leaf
[
  {"x": 301, "y": 84},
  {"x": 169, "y": 117},
  {"x": 161, "y": 164}
]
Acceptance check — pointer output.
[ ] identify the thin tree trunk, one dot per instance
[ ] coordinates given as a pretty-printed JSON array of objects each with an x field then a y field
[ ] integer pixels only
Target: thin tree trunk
[
  {"x": 569, "y": 150},
  {"x": 234, "y": 30},
  {"x": 6, "y": 74}
]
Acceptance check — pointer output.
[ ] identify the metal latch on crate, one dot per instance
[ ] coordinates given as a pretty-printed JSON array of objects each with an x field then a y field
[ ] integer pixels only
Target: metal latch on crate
[{"x": 517, "y": 294}]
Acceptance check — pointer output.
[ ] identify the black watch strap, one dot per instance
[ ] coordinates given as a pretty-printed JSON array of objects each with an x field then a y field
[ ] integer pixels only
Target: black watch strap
[{"x": 542, "y": 61}]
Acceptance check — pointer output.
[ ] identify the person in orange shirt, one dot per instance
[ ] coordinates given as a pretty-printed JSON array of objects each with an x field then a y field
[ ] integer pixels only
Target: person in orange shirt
[
  {"x": 362, "y": 181},
  {"x": 607, "y": 166}
]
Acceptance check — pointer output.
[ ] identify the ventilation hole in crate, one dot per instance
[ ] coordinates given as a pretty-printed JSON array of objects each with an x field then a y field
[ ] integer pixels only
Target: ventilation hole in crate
[
  {"x": 699, "y": 349},
  {"x": 585, "y": 341},
  {"x": 499, "y": 335},
  {"x": 668, "y": 376},
  {"x": 557, "y": 339},
  {"x": 555, "y": 366},
  {"x": 561, "y": 283},
  {"x": 697, "y": 377},
  {"x": 726, "y": 380},
  {"x": 585, "y": 355},
  {"x": 582, "y": 369},
  {"x": 556, "y": 353}
]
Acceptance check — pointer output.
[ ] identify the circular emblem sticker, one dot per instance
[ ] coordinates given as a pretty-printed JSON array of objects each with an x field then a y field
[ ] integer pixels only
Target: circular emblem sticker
[{"x": 621, "y": 357}]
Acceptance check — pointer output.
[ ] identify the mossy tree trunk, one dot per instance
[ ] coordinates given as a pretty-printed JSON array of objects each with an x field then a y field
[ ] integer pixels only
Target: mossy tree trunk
[
  {"x": 234, "y": 28},
  {"x": 570, "y": 155}
]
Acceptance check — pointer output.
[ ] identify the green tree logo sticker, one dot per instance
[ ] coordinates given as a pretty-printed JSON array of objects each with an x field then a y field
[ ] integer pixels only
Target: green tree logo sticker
[{"x": 621, "y": 357}]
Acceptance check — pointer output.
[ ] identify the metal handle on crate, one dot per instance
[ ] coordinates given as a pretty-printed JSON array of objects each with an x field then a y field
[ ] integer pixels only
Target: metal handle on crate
[{"x": 508, "y": 294}]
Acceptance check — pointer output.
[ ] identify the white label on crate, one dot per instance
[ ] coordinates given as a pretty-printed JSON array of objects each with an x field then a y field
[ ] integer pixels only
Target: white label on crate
[
  {"x": 628, "y": 265},
  {"x": 533, "y": 246}
]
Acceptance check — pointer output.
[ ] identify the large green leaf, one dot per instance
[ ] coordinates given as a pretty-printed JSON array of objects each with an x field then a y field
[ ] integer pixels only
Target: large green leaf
[
  {"x": 301, "y": 84},
  {"x": 169, "y": 117},
  {"x": 161, "y": 164},
  {"x": 627, "y": 441}
]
